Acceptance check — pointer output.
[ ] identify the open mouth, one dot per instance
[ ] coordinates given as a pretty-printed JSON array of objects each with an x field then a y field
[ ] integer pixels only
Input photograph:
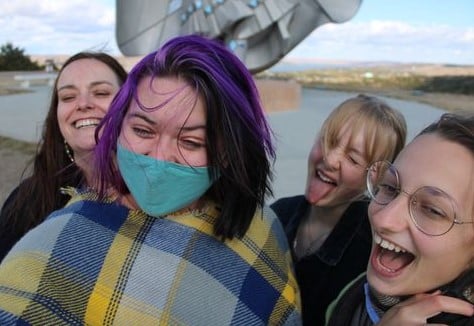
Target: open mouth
[
  {"x": 324, "y": 178},
  {"x": 390, "y": 257},
  {"x": 86, "y": 123}
]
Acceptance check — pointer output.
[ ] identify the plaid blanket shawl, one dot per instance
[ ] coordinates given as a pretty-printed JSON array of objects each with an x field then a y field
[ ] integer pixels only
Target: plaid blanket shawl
[{"x": 96, "y": 263}]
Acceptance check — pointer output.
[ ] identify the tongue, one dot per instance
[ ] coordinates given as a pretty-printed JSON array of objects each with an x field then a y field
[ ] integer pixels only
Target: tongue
[
  {"x": 318, "y": 190},
  {"x": 394, "y": 260}
]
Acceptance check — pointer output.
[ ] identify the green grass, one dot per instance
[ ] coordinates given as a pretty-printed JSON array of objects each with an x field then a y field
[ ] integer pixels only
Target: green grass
[{"x": 347, "y": 79}]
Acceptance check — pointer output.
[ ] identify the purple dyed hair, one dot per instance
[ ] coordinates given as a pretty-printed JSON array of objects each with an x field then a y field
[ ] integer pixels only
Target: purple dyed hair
[{"x": 239, "y": 139}]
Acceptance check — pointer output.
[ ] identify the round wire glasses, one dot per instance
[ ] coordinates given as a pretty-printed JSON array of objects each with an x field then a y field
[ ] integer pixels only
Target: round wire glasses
[{"x": 432, "y": 210}]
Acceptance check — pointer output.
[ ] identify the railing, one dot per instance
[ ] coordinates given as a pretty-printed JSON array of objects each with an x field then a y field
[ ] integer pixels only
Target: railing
[{"x": 27, "y": 78}]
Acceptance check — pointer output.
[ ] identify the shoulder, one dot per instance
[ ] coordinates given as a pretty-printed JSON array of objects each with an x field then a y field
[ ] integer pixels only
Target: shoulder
[
  {"x": 11, "y": 197},
  {"x": 14, "y": 194},
  {"x": 266, "y": 231},
  {"x": 286, "y": 203},
  {"x": 347, "y": 300},
  {"x": 86, "y": 207},
  {"x": 286, "y": 207},
  {"x": 81, "y": 216},
  {"x": 266, "y": 220}
]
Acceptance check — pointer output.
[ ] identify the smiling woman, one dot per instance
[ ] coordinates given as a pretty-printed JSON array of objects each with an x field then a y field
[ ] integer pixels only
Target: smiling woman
[
  {"x": 328, "y": 225},
  {"x": 421, "y": 268},
  {"x": 174, "y": 229},
  {"x": 85, "y": 89},
  {"x": 82, "y": 93}
]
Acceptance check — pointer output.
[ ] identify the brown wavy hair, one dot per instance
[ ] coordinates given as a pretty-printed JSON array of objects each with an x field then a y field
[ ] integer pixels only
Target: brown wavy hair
[{"x": 39, "y": 194}]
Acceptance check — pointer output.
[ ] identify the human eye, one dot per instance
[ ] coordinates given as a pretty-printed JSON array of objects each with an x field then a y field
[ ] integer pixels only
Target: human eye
[
  {"x": 142, "y": 132},
  {"x": 66, "y": 97},
  {"x": 103, "y": 93},
  {"x": 433, "y": 210},
  {"x": 354, "y": 160},
  {"x": 192, "y": 144},
  {"x": 388, "y": 189}
]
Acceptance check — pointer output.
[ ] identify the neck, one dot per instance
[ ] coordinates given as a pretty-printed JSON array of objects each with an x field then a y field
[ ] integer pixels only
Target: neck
[
  {"x": 328, "y": 216},
  {"x": 314, "y": 229},
  {"x": 84, "y": 162}
]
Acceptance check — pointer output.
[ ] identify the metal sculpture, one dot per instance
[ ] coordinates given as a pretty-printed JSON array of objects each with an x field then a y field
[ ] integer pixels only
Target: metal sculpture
[{"x": 260, "y": 32}]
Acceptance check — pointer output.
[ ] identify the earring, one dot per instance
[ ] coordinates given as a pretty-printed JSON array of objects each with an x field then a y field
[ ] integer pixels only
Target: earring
[{"x": 68, "y": 151}]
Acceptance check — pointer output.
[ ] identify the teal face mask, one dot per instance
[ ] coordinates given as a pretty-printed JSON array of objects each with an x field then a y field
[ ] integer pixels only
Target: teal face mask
[{"x": 161, "y": 187}]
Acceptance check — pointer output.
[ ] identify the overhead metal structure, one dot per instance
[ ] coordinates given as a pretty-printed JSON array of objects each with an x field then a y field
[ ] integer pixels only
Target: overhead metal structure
[{"x": 260, "y": 32}]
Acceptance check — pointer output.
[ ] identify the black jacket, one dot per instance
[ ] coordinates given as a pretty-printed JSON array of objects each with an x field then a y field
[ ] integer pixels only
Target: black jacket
[
  {"x": 342, "y": 257},
  {"x": 350, "y": 308}
]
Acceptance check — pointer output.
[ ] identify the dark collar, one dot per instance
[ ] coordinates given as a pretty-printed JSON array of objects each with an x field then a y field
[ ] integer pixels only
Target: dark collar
[{"x": 353, "y": 219}]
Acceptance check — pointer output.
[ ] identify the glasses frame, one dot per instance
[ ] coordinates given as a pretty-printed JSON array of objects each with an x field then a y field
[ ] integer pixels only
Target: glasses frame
[{"x": 410, "y": 197}]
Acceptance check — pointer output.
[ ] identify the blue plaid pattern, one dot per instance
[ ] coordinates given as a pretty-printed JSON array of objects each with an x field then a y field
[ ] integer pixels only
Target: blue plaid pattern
[{"x": 99, "y": 263}]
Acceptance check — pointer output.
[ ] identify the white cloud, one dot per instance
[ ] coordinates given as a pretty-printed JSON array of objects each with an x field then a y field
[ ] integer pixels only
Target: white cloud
[
  {"x": 58, "y": 27},
  {"x": 66, "y": 27},
  {"x": 388, "y": 41}
]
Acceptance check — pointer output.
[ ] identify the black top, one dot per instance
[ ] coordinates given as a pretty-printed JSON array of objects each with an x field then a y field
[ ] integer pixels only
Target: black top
[
  {"x": 8, "y": 235},
  {"x": 341, "y": 258},
  {"x": 11, "y": 232}
]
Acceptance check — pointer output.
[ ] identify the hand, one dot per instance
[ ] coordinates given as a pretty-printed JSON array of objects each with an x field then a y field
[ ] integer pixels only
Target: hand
[{"x": 417, "y": 309}]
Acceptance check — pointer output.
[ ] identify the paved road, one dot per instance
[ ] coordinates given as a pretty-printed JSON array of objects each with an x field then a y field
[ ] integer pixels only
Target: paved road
[{"x": 21, "y": 117}]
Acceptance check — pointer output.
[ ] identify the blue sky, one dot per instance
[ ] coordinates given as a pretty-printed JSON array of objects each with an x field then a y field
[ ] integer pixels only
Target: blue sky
[{"x": 421, "y": 31}]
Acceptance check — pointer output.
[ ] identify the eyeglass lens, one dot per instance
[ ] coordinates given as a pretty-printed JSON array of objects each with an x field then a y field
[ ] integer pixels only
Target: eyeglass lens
[{"x": 431, "y": 209}]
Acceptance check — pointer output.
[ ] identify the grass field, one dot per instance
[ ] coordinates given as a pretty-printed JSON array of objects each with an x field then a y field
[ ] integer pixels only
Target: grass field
[{"x": 445, "y": 86}]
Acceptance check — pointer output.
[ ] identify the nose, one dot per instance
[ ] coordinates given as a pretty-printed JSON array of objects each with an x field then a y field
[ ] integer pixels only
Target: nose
[
  {"x": 84, "y": 102},
  {"x": 333, "y": 158},
  {"x": 392, "y": 217},
  {"x": 164, "y": 150}
]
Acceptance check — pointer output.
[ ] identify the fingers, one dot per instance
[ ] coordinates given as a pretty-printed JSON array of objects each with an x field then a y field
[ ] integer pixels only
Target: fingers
[
  {"x": 442, "y": 303},
  {"x": 419, "y": 308}
]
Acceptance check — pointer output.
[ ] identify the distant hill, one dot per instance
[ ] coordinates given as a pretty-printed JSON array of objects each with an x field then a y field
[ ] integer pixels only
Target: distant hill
[{"x": 288, "y": 65}]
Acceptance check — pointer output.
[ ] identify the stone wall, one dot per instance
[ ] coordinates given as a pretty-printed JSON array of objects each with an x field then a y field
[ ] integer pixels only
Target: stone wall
[{"x": 279, "y": 95}]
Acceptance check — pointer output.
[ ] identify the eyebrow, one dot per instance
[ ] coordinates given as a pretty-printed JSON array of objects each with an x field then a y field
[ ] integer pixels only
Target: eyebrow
[
  {"x": 142, "y": 117},
  {"x": 356, "y": 151},
  {"x": 191, "y": 128},
  {"x": 95, "y": 83},
  {"x": 148, "y": 120}
]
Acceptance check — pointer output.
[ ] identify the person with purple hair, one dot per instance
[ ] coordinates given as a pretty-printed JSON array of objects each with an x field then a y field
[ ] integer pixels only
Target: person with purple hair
[{"x": 175, "y": 229}]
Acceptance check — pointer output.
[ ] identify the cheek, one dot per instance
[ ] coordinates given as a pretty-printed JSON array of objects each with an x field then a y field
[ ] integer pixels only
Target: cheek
[
  {"x": 104, "y": 104},
  {"x": 130, "y": 141},
  {"x": 354, "y": 177},
  {"x": 315, "y": 154},
  {"x": 200, "y": 159},
  {"x": 63, "y": 111},
  {"x": 372, "y": 211},
  {"x": 373, "y": 208}
]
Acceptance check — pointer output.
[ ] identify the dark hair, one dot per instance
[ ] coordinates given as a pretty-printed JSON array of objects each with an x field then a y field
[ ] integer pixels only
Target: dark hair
[
  {"x": 239, "y": 139},
  {"x": 38, "y": 195},
  {"x": 458, "y": 128}
]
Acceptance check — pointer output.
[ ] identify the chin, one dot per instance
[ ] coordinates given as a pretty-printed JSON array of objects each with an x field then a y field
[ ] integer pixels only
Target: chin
[{"x": 382, "y": 286}]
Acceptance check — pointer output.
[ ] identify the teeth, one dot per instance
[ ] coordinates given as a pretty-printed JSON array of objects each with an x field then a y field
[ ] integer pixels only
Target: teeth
[
  {"x": 87, "y": 123},
  {"x": 386, "y": 244},
  {"x": 324, "y": 178}
]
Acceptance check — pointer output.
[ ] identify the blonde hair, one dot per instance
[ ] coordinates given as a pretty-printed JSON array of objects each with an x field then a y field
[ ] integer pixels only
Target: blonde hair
[{"x": 383, "y": 127}]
